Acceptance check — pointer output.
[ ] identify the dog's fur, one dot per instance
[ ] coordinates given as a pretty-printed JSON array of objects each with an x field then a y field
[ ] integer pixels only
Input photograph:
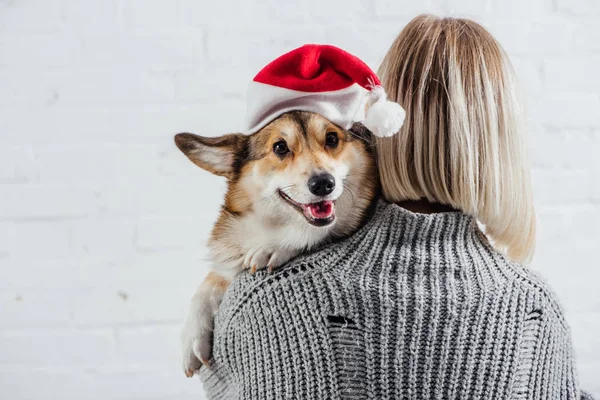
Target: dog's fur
[{"x": 258, "y": 227}]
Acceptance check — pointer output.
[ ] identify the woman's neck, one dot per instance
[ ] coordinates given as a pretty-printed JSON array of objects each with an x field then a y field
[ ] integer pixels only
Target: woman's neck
[{"x": 425, "y": 207}]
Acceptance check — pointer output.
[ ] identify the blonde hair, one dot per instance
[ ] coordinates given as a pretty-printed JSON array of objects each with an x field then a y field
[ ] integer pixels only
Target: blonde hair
[{"x": 462, "y": 143}]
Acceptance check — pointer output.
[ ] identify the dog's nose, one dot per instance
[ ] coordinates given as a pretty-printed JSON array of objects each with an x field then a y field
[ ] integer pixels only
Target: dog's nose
[{"x": 322, "y": 184}]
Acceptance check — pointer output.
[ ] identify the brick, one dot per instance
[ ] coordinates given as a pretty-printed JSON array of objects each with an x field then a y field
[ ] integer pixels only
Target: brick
[
  {"x": 567, "y": 148},
  {"x": 559, "y": 268},
  {"x": 130, "y": 305},
  {"x": 7, "y": 240},
  {"x": 50, "y": 202},
  {"x": 526, "y": 37},
  {"x": 468, "y": 8},
  {"x": 51, "y": 50},
  {"x": 315, "y": 10},
  {"x": 561, "y": 221},
  {"x": 102, "y": 238},
  {"x": 36, "y": 16},
  {"x": 567, "y": 109},
  {"x": 164, "y": 382},
  {"x": 566, "y": 262},
  {"x": 133, "y": 383},
  {"x": 194, "y": 13},
  {"x": 95, "y": 87},
  {"x": 22, "y": 89},
  {"x": 201, "y": 85},
  {"x": 155, "y": 19},
  {"x": 268, "y": 11},
  {"x": 370, "y": 41},
  {"x": 107, "y": 18},
  {"x": 168, "y": 232},
  {"x": 129, "y": 125},
  {"x": 21, "y": 308},
  {"x": 40, "y": 240},
  {"x": 577, "y": 297},
  {"x": 563, "y": 187},
  {"x": 259, "y": 46},
  {"x": 61, "y": 347},
  {"x": 10, "y": 93},
  {"x": 574, "y": 73},
  {"x": 91, "y": 86},
  {"x": 142, "y": 53},
  {"x": 49, "y": 274},
  {"x": 391, "y": 9},
  {"x": 218, "y": 117},
  {"x": 586, "y": 344},
  {"x": 588, "y": 376},
  {"x": 517, "y": 8},
  {"x": 186, "y": 270},
  {"x": 176, "y": 198},
  {"x": 17, "y": 164},
  {"x": 149, "y": 344},
  {"x": 115, "y": 163},
  {"x": 579, "y": 7},
  {"x": 92, "y": 306},
  {"x": 50, "y": 383},
  {"x": 586, "y": 36},
  {"x": 529, "y": 75},
  {"x": 119, "y": 383}
]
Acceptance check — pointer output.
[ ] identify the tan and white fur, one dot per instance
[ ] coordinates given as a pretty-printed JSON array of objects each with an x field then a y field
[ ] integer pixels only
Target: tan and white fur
[{"x": 295, "y": 184}]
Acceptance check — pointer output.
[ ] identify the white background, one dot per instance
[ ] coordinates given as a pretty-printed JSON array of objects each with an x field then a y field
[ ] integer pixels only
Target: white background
[{"x": 103, "y": 221}]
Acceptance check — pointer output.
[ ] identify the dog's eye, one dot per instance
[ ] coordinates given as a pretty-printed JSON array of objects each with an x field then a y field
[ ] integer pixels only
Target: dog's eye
[
  {"x": 331, "y": 140},
  {"x": 280, "y": 148}
]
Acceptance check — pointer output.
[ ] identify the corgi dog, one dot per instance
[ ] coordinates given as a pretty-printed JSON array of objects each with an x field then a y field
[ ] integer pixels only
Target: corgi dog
[{"x": 295, "y": 184}]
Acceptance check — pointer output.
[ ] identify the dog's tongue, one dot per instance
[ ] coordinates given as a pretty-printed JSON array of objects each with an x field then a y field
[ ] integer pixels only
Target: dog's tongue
[{"x": 320, "y": 210}]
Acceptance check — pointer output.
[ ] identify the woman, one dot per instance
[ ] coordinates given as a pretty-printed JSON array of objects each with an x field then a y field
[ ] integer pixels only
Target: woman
[{"x": 417, "y": 304}]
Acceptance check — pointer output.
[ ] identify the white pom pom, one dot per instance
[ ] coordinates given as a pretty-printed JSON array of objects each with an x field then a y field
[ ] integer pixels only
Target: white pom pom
[{"x": 384, "y": 118}]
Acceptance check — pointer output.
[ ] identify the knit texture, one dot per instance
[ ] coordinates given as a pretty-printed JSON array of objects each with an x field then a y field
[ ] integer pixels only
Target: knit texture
[{"x": 412, "y": 306}]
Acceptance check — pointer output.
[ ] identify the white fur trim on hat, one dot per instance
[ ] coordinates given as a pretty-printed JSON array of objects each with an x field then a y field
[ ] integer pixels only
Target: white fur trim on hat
[{"x": 266, "y": 102}]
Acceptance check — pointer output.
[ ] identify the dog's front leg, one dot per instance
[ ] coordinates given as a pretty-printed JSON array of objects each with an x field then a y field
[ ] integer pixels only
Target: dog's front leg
[
  {"x": 268, "y": 257},
  {"x": 282, "y": 256},
  {"x": 197, "y": 334}
]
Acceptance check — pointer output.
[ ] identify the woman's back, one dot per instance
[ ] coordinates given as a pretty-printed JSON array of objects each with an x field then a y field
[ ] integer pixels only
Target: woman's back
[{"x": 412, "y": 306}]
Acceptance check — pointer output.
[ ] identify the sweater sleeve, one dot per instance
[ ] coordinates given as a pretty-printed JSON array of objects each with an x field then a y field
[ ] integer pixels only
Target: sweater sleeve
[{"x": 546, "y": 366}]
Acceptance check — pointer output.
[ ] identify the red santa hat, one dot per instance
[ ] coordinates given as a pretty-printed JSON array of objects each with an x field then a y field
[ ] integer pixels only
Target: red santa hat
[{"x": 325, "y": 80}]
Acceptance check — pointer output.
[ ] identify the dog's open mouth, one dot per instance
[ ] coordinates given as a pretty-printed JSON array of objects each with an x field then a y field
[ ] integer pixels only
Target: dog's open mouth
[{"x": 321, "y": 213}]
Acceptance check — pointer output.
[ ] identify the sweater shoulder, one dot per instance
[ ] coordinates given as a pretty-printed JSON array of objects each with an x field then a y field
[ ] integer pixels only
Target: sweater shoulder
[{"x": 544, "y": 296}]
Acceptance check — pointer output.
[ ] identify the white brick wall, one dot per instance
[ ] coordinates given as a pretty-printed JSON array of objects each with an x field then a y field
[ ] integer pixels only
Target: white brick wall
[{"x": 102, "y": 221}]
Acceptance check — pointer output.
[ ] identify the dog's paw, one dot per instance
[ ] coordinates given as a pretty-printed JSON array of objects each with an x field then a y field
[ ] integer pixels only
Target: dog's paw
[
  {"x": 280, "y": 257},
  {"x": 196, "y": 343},
  {"x": 257, "y": 258},
  {"x": 269, "y": 258}
]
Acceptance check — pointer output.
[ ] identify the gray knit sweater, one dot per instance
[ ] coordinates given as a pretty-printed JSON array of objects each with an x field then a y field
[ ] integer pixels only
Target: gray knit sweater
[{"x": 412, "y": 306}]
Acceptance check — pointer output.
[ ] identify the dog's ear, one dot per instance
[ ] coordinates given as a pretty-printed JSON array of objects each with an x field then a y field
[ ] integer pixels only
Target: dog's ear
[
  {"x": 218, "y": 155},
  {"x": 361, "y": 132}
]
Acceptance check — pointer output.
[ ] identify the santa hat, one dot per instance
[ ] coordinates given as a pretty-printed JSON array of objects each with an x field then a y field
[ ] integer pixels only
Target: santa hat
[{"x": 325, "y": 80}]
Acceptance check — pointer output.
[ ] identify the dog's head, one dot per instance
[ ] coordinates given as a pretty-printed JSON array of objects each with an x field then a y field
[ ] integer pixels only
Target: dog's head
[{"x": 301, "y": 168}]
